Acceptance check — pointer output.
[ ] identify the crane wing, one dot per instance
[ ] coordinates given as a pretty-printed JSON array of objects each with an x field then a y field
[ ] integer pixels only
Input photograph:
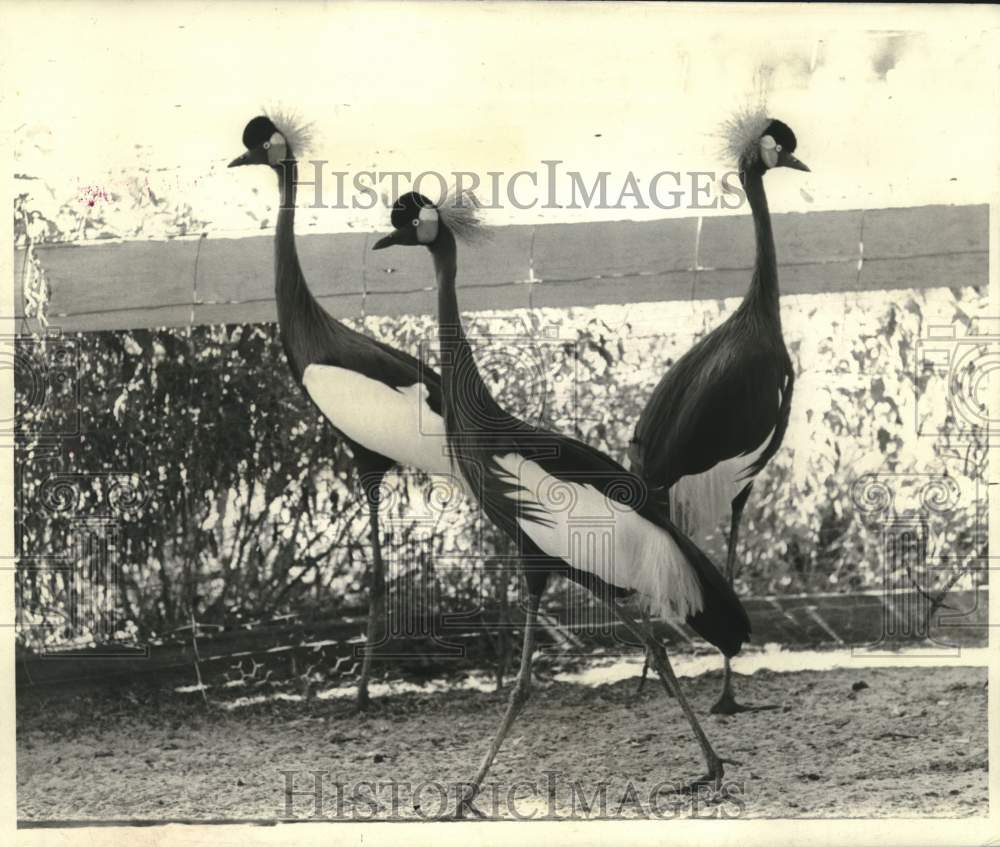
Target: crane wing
[
  {"x": 396, "y": 422},
  {"x": 563, "y": 499},
  {"x": 709, "y": 407},
  {"x": 781, "y": 424}
]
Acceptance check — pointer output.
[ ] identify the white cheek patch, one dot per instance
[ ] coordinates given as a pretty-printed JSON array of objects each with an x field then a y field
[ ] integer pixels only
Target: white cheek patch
[
  {"x": 427, "y": 226},
  {"x": 768, "y": 151},
  {"x": 275, "y": 147}
]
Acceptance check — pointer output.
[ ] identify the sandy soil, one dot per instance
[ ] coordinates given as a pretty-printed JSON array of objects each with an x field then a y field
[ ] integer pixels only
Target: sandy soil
[{"x": 911, "y": 743}]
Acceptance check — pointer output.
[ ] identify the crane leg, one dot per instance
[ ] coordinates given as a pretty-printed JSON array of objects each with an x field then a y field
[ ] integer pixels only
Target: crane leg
[
  {"x": 645, "y": 663},
  {"x": 376, "y": 598},
  {"x": 645, "y": 673},
  {"x": 518, "y": 697},
  {"x": 645, "y": 620},
  {"x": 659, "y": 659},
  {"x": 726, "y": 704}
]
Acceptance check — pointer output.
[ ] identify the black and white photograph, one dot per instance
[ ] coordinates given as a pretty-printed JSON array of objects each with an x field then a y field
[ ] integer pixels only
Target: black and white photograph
[{"x": 500, "y": 421}]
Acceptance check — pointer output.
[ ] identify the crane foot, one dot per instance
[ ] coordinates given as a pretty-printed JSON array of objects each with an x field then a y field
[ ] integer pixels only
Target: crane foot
[
  {"x": 713, "y": 778},
  {"x": 727, "y": 705}
]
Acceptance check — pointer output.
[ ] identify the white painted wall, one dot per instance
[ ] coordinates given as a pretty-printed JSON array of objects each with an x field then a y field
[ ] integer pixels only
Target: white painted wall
[{"x": 892, "y": 106}]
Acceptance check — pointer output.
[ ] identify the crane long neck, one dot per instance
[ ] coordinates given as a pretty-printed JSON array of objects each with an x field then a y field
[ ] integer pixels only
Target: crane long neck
[
  {"x": 286, "y": 256},
  {"x": 764, "y": 284},
  {"x": 465, "y": 392},
  {"x": 291, "y": 292}
]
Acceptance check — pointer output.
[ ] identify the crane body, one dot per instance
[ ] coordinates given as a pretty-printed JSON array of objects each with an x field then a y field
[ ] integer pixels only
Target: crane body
[
  {"x": 553, "y": 495},
  {"x": 384, "y": 403},
  {"x": 720, "y": 412}
]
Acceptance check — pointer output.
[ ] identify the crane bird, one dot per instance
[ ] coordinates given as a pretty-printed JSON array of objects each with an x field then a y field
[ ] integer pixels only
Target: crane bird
[
  {"x": 552, "y": 494},
  {"x": 720, "y": 413},
  {"x": 384, "y": 403}
]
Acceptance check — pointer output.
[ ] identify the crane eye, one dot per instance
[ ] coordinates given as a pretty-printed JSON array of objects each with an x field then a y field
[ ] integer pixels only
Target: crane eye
[
  {"x": 267, "y": 145},
  {"x": 778, "y": 147},
  {"x": 416, "y": 222}
]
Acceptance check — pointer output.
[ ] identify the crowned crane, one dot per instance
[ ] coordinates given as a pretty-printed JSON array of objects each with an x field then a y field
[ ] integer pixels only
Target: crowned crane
[
  {"x": 720, "y": 413},
  {"x": 563, "y": 503},
  {"x": 384, "y": 403}
]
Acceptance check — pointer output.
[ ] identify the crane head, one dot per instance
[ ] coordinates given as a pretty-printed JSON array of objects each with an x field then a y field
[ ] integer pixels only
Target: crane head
[
  {"x": 270, "y": 140},
  {"x": 264, "y": 142},
  {"x": 416, "y": 220},
  {"x": 777, "y": 146},
  {"x": 758, "y": 141}
]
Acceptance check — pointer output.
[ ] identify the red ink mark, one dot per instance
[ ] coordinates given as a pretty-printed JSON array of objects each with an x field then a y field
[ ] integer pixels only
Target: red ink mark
[{"x": 92, "y": 193}]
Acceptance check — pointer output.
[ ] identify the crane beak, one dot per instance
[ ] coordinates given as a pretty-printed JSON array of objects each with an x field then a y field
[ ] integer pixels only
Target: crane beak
[
  {"x": 791, "y": 162},
  {"x": 257, "y": 156},
  {"x": 394, "y": 237}
]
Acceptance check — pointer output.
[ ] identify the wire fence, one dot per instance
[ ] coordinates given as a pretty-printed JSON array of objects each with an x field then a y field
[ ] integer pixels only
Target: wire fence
[{"x": 176, "y": 475}]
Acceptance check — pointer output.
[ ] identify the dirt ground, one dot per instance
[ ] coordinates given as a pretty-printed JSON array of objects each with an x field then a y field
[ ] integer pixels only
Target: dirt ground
[{"x": 845, "y": 743}]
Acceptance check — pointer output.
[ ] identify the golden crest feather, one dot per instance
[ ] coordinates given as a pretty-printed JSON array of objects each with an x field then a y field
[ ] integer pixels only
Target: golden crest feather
[
  {"x": 741, "y": 132},
  {"x": 299, "y": 133},
  {"x": 459, "y": 212}
]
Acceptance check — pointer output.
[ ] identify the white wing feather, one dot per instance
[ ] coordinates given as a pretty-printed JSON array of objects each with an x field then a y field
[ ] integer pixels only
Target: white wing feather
[
  {"x": 397, "y": 423},
  {"x": 605, "y": 538}
]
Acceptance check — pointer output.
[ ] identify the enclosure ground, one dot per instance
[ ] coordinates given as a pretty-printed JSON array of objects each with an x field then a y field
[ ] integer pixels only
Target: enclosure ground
[{"x": 907, "y": 741}]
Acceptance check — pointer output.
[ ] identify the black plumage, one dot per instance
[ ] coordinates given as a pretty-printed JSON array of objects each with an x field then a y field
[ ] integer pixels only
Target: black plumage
[
  {"x": 324, "y": 354},
  {"x": 722, "y": 622},
  {"x": 506, "y": 463},
  {"x": 722, "y": 409}
]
